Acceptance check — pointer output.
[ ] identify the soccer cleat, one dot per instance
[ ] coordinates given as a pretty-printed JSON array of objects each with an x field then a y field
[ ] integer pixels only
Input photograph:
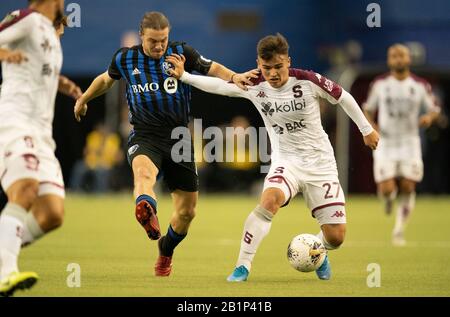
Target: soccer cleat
[
  {"x": 398, "y": 240},
  {"x": 324, "y": 271},
  {"x": 240, "y": 274},
  {"x": 17, "y": 281},
  {"x": 146, "y": 216},
  {"x": 163, "y": 265}
]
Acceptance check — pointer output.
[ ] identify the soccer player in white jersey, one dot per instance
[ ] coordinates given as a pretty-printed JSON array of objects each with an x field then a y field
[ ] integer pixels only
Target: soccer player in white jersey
[
  {"x": 30, "y": 173},
  {"x": 302, "y": 156},
  {"x": 404, "y": 103}
]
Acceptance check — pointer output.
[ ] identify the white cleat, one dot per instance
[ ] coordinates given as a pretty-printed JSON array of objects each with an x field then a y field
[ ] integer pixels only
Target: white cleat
[{"x": 398, "y": 240}]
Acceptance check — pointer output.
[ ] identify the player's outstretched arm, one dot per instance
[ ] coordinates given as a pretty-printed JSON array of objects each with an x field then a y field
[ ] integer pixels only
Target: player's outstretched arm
[
  {"x": 99, "y": 86},
  {"x": 241, "y": 80},
  {"x": 205, "y": 83},
  {"x": 350, "y": 106},
  {"x": 427, "y": 119}
]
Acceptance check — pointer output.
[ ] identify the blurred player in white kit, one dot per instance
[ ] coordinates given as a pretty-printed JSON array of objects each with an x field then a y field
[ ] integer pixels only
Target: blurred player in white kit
[
  {"x": 31, "y": 56},
  {"x": 302, "y": 156},
  {"x": 404, "y": 103}
]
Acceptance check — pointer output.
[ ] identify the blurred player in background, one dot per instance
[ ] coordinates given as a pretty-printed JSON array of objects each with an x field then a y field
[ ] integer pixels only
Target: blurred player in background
[
  {"x": 404, "y": 103},
  {"x": 157, "y": 103},
  {"x": 302, "y": 156},
  {"x": 30, "y": 173}
]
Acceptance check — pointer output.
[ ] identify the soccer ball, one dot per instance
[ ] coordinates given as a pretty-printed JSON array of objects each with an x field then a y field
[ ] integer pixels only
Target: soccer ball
[{"x": 306, "y": 253}]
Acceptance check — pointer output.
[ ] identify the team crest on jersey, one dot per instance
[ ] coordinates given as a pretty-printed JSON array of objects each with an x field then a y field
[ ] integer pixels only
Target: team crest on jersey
[
  {"x": 133, "y": 149},
  {"x": 267, "y": 108},
  {"x": 171, "y": 85},
  {"x": 166, "y": 66},
  {"x": 329, "y": 85}
]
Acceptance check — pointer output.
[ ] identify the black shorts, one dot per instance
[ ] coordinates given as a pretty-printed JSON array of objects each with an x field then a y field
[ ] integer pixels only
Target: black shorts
[{"x": 177, "y": 175}]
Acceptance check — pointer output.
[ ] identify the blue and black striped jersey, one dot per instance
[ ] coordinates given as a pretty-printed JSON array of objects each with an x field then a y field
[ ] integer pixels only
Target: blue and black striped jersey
[{"x": 157, "y": 102}]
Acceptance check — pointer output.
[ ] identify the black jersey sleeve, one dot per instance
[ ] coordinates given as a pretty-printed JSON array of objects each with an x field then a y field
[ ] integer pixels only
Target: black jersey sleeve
[
  {"x": 113, "y": 70},
  {"x": 195, "y": 61}
]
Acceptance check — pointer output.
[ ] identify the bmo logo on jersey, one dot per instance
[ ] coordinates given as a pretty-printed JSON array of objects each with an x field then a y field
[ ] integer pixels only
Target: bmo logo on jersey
[
  {"x": 139, "y": 89},
  {"x": 170, "y": 86}
]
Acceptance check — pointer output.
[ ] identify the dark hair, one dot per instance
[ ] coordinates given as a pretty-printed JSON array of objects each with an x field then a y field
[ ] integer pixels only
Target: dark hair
[
  {"x": 60, "y": 21},
  {"x": 154, "y": 20},
  {"x": 272, "y": 45}
]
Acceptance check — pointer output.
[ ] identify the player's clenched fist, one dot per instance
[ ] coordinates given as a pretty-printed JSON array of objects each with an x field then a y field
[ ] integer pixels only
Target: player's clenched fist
[
  {"x": 80, "y": 109},
  {"x": 372, "y": 140},
  {"x": 177, "y": 62}
]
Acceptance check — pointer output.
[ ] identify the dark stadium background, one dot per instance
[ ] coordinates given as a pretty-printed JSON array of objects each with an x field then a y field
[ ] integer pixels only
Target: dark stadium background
[{"x": 326, "y": 36}]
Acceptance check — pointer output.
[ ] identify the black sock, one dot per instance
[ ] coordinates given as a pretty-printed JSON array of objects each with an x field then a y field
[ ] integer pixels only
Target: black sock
[{"x": 170, "y": 241}]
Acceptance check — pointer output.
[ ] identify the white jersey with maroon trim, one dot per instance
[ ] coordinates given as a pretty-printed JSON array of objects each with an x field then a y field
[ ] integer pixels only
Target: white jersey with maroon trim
[
  {"x": 302, "y": 155},
  {"x": 399, "y": 104},
  {"x": 29, "y": 89},
  {"x": 292, "y": 116}
]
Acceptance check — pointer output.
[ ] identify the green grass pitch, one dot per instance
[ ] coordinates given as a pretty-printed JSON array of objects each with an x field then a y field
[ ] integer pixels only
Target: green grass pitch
[{"x": 116, "y": 258}]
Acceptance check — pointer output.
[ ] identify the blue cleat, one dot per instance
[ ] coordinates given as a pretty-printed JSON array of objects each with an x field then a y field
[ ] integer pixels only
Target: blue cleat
[
  {"x": 240, "y": 274},
  {"x": 324, "y": 271}
]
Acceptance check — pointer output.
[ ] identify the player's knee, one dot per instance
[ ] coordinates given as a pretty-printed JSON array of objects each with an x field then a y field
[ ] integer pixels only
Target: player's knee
[
  {"x": 272, "y": 202},
  {"x": 407, "y": 187},
  {"x": 23, "y": 193},
  {"x": 336, "y": 236},
  {"x": 387, "y": 189},
  {"x": 55, "y": 218},
  {"x": 336, "y": 240}
]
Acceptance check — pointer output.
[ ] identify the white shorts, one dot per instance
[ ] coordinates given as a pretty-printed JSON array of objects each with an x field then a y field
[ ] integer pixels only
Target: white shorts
[
  {"x": 322, "y": 192},
  {"x": 26, "y": 154},
  {"x": 385, "y": 169}
]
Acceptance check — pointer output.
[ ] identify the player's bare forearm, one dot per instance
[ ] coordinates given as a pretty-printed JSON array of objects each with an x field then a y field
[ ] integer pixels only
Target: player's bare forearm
[
  {"x": 69, "y": 88},
  {"x": 426, "y": 120},
  {"x": 99, "y": 86},
  {"x": 240, "y": 80},
  {"x": 220, "y": 71},
  {"x": 10, "y": 56}
]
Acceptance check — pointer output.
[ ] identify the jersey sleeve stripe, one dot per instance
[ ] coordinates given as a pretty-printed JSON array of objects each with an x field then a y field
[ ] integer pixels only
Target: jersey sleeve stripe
[{"x": 21, "y": 14}]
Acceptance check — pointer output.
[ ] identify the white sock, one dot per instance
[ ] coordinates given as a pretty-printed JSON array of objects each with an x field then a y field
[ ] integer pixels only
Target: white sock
[
  {"x": 11, "y": 230},
  {"x": 256, "y": 227},
  {"x": 325, "y": 242},
  {"x": 406, "y": 206},
  {"x": 31, "y": 231}
]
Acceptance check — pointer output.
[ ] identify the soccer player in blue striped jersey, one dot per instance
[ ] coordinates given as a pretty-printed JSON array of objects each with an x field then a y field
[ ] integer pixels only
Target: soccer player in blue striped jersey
[{"x": 158, "y": 103}]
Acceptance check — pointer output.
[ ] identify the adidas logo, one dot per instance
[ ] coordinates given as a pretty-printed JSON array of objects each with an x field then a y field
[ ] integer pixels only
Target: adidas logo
[{"x": 136, "y": 72}]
